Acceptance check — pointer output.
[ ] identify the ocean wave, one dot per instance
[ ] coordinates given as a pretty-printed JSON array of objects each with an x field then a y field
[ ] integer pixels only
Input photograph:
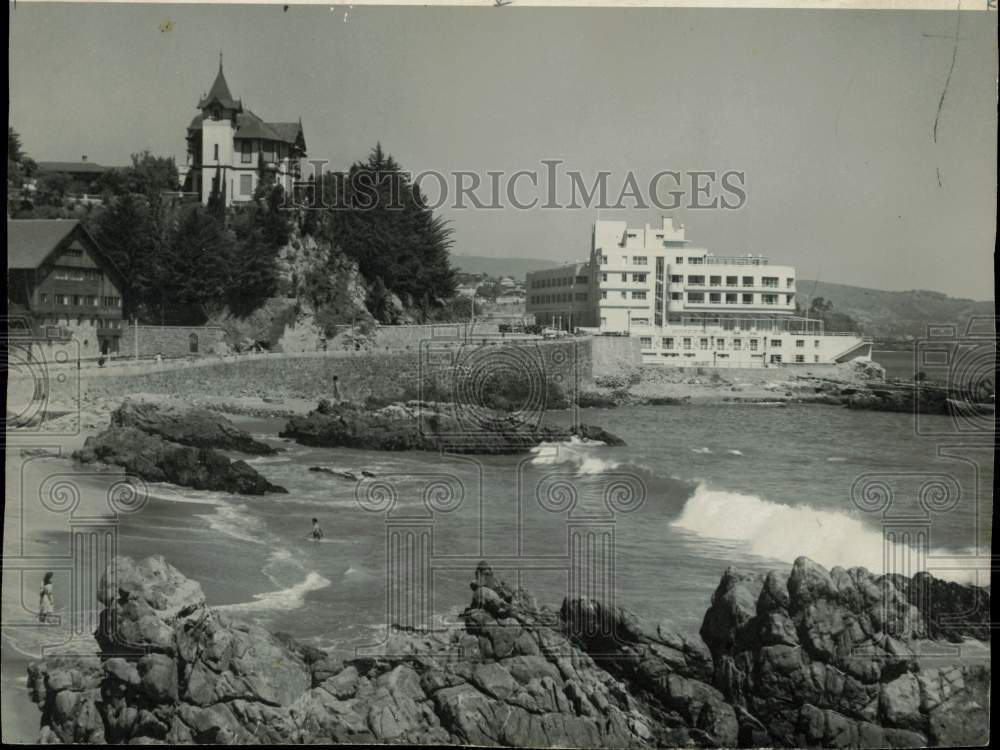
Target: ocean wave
[
  {"x": 235, "y": 522},
  {"x": 293, "y": 597},
  {"x": 574, "y": 451},
  {"x": 785, "y": 532}
]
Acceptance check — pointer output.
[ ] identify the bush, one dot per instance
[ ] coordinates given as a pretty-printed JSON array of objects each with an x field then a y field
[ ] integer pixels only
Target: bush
[{"x": 611, "y": 381}]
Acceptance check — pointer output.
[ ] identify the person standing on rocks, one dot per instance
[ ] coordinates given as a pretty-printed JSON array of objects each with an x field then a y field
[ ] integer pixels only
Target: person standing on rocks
[{"x": 46, "y": 604}]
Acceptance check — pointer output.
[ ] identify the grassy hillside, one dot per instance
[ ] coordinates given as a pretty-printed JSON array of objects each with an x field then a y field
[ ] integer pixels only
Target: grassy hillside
[
  {"x": 497, "y": 267},
  {"x": 883, "y": 314}
]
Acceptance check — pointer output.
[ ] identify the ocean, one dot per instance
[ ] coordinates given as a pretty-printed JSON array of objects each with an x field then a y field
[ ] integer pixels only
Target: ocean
[{"x": 697, "y": 489}]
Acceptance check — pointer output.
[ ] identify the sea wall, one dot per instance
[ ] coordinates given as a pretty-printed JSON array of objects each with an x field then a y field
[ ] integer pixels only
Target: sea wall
[
  {"x": 614, "y": 355},
  {"x": 170, "y": 341},
  {"x": 360, "y": 374}
]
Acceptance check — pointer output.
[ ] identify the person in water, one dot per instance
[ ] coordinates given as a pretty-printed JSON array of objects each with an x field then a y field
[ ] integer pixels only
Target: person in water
[
  {"x": 317, "y": 532},
  {"x": 46, "y": 604}
]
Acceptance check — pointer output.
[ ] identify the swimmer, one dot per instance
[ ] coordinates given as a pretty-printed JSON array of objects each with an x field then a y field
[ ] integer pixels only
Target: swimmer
[{"x": 317, "y": 532}]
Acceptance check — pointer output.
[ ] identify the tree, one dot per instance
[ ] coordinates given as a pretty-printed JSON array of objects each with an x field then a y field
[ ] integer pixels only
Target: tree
[
  {"x": 126, "y": 233},
  {"x": 51, "y": 189},
  {"x": 148, "y": 175},
  {"x": 20, "y": 167},
  {"x": 381, "y": 221}
]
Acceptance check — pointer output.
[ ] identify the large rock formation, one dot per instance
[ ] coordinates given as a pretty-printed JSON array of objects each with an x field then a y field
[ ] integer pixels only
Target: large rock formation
[
  {"x": 417, "y": 425},
  {"x": 188, "y": 425},
  {"x": 517, "y": 674},
  {"x": 139, "y": 440},
  {"x": 843, "y": 658}
]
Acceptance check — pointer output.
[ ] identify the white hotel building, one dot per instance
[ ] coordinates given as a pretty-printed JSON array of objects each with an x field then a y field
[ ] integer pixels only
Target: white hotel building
[{"x": 689, "y": 307}]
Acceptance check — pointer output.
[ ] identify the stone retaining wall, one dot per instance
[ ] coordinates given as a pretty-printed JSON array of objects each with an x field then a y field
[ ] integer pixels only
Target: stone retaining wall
[{"x": 170, "y": 341}]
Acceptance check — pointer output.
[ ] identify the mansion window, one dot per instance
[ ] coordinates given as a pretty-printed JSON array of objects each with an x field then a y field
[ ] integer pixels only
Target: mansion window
[
  {"x": 268, "y": 151},
  {"x": 246, "y": 152},
  {"x": 246, "y": 184}
]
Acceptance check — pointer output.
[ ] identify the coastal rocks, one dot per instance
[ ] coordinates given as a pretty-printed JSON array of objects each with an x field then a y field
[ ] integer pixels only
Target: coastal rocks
[
  {"x": 902, "y": 398},
  {"x": 188, "y": 425},
  {"x": 777, "y": 671},
  {"x": 178, "y": 445},
  {"x": 155, "y": 460},
  {"x": 417, "y": 425},
  {"x": 834, "y": 657}
]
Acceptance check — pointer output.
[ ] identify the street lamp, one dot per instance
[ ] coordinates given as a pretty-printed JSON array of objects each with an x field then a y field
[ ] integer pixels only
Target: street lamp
[{"x": 629, "y": 313}]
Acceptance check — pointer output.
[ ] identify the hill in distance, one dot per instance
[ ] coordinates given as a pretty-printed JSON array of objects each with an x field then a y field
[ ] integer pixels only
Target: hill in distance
[
  {"x": 497, "y": 267},
  {"x": 895, "y": 315}
]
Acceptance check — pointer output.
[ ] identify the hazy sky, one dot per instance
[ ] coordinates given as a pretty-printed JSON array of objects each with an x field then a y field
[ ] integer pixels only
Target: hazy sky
[{"x": 829, "y": 113}]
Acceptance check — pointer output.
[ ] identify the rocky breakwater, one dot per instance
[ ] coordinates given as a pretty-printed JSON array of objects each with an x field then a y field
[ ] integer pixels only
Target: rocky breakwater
[
  {"x": 843, "y": 658},
  {"x": 178, "y": 444},
  {"x": 429, "y": 426},
  {"x": 515, "y": 673},
  {"x": 906, "y": 397}
]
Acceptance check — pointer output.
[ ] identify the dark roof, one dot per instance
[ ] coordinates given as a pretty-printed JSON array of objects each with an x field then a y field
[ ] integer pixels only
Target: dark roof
[
  {"x": 249, "y": 125},
  {"x": 72, "y": 167},
  {"x": 220, "y": 93},
  {"x": 30, "y": 241}
]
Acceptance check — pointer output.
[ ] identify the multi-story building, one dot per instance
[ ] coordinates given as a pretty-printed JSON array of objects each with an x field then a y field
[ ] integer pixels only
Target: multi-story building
[
  {"x": 59, "y": 279},
  {"x": 229, "y": 148},
  {"x": 690, "y": 307},
  {"x": 560, "y": 297}
]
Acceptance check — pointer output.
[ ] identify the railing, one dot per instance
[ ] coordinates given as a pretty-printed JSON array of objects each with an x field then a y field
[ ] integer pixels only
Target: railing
[{"x": 737, "y": 261}]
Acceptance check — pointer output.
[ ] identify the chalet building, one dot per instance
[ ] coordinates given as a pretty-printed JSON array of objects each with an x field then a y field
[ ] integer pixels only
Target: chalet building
[
  {"x": 60, "y": 281},
  {"x": 229, "y": 147}
]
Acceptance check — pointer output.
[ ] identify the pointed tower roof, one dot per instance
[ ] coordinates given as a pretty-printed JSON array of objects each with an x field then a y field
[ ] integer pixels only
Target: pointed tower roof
[{"x": 220, "y": 93}]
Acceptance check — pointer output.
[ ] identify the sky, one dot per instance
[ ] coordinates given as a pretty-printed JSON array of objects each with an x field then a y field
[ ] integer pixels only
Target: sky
[{"x": 829, "y": 114}]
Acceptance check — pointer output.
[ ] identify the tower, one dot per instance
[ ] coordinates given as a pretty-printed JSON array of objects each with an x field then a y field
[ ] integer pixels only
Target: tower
[{"x": 219, "y": 111}]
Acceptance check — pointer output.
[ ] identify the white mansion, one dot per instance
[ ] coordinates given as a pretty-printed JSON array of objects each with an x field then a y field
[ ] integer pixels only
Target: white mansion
[
  {"x": 684, "y": 304},
  {"x": 229, "y": 147}
]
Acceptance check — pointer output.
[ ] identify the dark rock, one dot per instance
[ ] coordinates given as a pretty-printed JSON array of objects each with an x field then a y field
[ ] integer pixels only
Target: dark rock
[
  {"x": 428, "y": 426},
  {"x": 156, "y": 460},
  {"x": 187, "y": 425}
]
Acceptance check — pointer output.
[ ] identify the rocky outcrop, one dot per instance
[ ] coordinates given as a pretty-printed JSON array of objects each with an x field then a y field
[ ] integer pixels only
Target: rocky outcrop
[
  {"x": 188, "y": 425},
  {"x": 156, "y": 460},
  {"x": 838, "y": 657},
  {"x": 178, "y": 444},
  {"x": 784, "y": 666},
  {"x": 904, "y": 398},
  {"x": 416, "y": 425}
]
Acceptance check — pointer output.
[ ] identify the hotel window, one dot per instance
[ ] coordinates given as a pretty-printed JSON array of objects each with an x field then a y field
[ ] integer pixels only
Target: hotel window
[
  {"x": 604, "y": 321},
  {"x": 720, "y": 343},
  {"x": 747, "y": 299},
  {"x": 640, "y": 321},
  {"x": 771, "y": 282},
  {"x": 604, "y": 260},
  {"x": 676, "y": 279},
  {"x": 696, "y": 280},
  {"x": 624, "y": 294},
  {"x": 816, "y": 343},
  {"x": 789, "y": 298},
  {"x": 604, "y": 277},
  {"x": 582, "y": 279},
  {"x": 753, "y": 345},
  {"x": 668, "y": 343},
  {"x": 703, "y": 343},
  {"x": 215, "y": 151},
  {"x": 696, "y": 261},
  {"x": 604, "y": 294},
  {"x": 732, "y": 299},
  {"x": 800, "y": 343},
  {"x": 800, "y": 358},
  {"x": 687, "y": 343},
  {"x": 715, "y": 297},
  {"x": 789, "y": 282},
  {"x": 815, "y": 358},
  {"x": 678, "y": 260},
  {"x": 732, "y": 280},
  {"x": 640, "y": 277},
  {"x": 246, "y": 152},
  {"x": 715, "y": 280},
  {"x": 675, "y": 296},
  {"x": 246, "y": 184},
  {"x": 775, "y": 342},
  {"x": 737, "y": 344},
  {"x": 624, "y": 277},
  {"x": 639, "y": 260},
  {"x": 769, "y": 299},
  {"x": 748, "y": 281},
  {"x": 638, "y": 295},
  {"x": 697, "y": 297},
  {"x": 646, "y": 342}
]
